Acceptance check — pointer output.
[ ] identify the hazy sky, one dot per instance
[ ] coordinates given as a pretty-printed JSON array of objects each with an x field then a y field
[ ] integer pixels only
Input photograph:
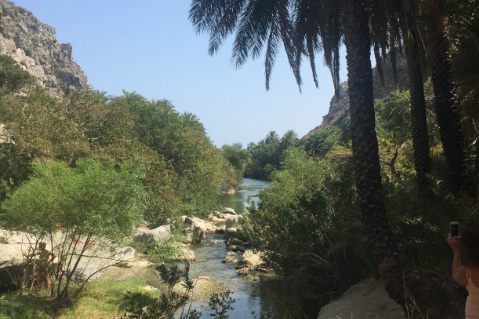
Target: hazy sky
[{"x": 151, "y": 47}]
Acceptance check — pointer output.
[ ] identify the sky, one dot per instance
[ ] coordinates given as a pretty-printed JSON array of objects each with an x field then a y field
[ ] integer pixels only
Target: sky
[{"x": 151, "y": 48}]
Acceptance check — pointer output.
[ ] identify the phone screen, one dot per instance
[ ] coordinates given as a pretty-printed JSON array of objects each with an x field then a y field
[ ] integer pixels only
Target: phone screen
[{"x": 454, "y": 229}]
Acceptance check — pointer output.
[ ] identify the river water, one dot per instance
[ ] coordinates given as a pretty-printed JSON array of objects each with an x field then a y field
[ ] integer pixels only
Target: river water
[{"x": 251, "y": 295}]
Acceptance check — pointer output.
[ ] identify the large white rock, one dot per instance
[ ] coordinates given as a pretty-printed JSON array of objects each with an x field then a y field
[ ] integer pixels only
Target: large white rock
[
  {"x": 14, "y": 244},
  {"x": 366, "y": 300},
  {"x": 162, "y": 232}
]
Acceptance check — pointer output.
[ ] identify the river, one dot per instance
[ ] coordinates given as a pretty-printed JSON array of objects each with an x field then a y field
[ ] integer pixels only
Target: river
[{"x": 252, "y": 297}]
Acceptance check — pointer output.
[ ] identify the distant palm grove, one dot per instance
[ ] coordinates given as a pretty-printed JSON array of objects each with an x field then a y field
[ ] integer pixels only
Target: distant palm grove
[{"x": 372, "y": 197}]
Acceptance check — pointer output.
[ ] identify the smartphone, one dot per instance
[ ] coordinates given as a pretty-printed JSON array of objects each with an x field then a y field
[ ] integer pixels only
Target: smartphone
[{"x": 454, "y": 229}]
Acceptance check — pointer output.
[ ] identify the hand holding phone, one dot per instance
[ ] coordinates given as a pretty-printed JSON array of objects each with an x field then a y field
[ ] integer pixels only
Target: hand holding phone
[{"x": 454, "y": 229}]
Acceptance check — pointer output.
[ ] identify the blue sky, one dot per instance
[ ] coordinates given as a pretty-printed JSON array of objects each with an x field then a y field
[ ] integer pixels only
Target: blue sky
[{"x": 151, "y": 47}]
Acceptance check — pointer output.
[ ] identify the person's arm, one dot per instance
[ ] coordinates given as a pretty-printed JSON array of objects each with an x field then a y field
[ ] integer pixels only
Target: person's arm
[
  {"x": 31, "y": 255},
  {"x": 52, "y": 255},
  {"x": 458, "y": 270}
]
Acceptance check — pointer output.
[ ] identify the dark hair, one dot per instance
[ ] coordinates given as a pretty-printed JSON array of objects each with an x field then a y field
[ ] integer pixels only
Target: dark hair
[{"x": 470, "y": 238}]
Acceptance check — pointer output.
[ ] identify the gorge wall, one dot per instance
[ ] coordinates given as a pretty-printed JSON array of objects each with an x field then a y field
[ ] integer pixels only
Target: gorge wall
[
  {"x": 35, "y": 47},
  {"x": 339, "y": 108}
]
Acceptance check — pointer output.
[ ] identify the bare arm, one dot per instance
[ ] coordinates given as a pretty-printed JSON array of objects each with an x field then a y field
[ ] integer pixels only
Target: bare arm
[{"x": 458, "y": 270}]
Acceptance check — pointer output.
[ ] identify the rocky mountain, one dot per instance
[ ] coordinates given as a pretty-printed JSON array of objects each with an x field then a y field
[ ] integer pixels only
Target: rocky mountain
[
  {"x": 339, "y": 108},
  {"x": 35, "y": 47}
]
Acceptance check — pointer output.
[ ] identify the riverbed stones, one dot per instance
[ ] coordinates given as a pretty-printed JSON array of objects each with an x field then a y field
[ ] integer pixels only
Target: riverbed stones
[
  {"x": 235, "y": 232},
  {"x": 220, "y": 229},
  {"x": 189, "y": 254},
  {"x": 233, "y": 258},
  {"x": 198, "y": 227},
  {"x": 244, "y": 261},
  {"x": 252, "y": 259}
]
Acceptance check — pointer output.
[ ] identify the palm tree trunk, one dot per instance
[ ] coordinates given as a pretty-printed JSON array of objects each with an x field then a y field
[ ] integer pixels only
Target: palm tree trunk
[
  {"x": 446, "y": 107},
  {"x": 364, "y": 140},
  {"x": 422, "y": 160},
  {"x": 400, "y": 278}
]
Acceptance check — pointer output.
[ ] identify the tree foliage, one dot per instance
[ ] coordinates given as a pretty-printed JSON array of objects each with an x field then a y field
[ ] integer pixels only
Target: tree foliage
[
  {"x": 185, "y": 172},
  {"x": 94, "y": 202}
]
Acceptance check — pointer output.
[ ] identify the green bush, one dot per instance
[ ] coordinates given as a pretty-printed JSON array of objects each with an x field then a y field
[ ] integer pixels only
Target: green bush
[
  {"x": 309, "y": 226},
  {"x": 94, "y": 202}
]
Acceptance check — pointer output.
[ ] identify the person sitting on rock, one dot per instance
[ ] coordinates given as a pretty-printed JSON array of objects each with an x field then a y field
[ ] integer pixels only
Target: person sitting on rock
[
  {"x": 45, "y": 260},
  {"x": 467, "y": 274}
]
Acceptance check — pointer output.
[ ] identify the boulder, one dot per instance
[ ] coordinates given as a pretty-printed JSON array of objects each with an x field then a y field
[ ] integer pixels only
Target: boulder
[
  {"x": 225, "y": 216},
  {"x": 232, "y": 220},
  {"x": 220, "y": 229},
  {"x": 252, "y": 260},
  {"x": 228, "y": 210},
  {"x": 12, "y": 247},
  {"x": 234, "y": 258},
  {"x": 366, "y": 300},
  {"x": 86, "y": 270},
  {"x": 162, "y": 232},
  {"x": 236, "y": 248},
  {"x": 198, "y": 227},
  {"x": 189, "y": 254},
  {"x": 186, "y": 254},
  {"x": 235, "y": 232},
  {"x": 199, "y": 233}
]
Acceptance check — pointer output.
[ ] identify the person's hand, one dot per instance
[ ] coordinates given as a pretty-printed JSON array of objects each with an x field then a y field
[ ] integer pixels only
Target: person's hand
[{"x": 454, "y": 242}]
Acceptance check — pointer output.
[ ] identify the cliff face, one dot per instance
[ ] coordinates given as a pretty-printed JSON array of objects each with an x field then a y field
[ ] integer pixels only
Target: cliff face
[
  {"x": 35, "y": 47},
  {"x": 339, "y": 108}
]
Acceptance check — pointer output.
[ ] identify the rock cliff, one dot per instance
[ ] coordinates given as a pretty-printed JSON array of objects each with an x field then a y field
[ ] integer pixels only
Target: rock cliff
[
  {"x": 35, "y": 47},
  {"x": 339, "y": 108}
]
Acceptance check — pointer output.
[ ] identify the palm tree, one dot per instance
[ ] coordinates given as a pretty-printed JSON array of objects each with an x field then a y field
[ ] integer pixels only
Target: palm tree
[
  {"x": 272, "y": 137},
  {"x": 320, "y": 24},
  {"x": 290, "y": 138},
  {"x": 422, "y": 160},
  {"x": 190, "y": 121},
  {"x": 445, "y": 101}
]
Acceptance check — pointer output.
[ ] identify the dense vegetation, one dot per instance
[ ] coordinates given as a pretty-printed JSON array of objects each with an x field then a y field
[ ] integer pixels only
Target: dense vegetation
[
  {"x": 184, "y": 172},
  {"x": 309, "y": 223},
  {"x": 372, "y": 197},
  {"x": 411, "y": 174}
]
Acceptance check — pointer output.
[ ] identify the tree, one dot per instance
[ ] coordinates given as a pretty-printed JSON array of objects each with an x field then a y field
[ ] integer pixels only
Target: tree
[
  {"x": 94, "y": 203},
  {"x": 237, "y": 156},
  {"x": 320, "y": 25},
  {"x": 289, "y": 139},
  {"x": 12, "y": 76},
  {"x": 190, "y": 121},
  {"x": 320, "y": 142},
  {"x": 260, "y": 22},
  {"x": 422, "y": 160},
  {"x": 445, "y": 101}
]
